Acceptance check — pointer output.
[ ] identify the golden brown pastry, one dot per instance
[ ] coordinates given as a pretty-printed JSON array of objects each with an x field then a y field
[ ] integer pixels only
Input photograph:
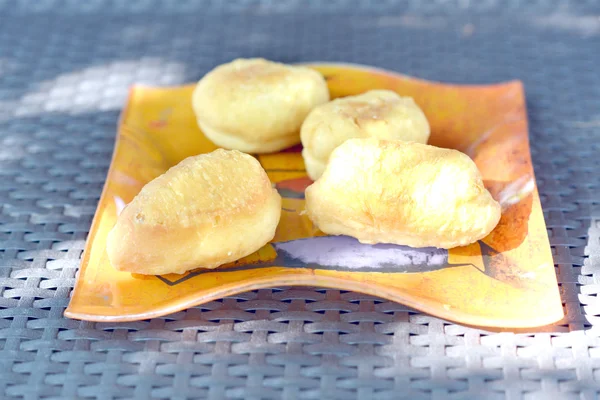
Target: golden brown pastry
[
  {"x": 255, "y": 105},
  {"x": 382, "y": 191},
  {"x": 206, "y": 211},
  {"x": 380, "y": 114}
]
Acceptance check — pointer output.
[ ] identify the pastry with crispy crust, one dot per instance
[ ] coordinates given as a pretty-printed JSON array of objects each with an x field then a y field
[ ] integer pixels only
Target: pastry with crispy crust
[
  {"x": 255, "y": 105},
  {"x": 206, "y": 211},
  {"x": 380, "y": 114},
  {"x": 382, "y": 191}
]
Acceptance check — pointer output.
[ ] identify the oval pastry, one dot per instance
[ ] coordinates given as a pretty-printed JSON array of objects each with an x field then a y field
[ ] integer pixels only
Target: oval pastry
[
  {"x": 380, "y": 114},
  {"x": 255, "y": 105},
  {"x": 206, "y": 211},
  {"x": 382, "y": 191}
]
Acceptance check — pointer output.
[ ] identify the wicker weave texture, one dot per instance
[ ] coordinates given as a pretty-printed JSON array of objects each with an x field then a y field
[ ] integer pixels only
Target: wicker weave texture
[{"x": 65, "y": 68}]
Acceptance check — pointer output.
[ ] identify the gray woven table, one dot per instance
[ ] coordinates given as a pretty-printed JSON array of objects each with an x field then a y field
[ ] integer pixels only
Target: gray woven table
[{"x": 65, "y": 67}]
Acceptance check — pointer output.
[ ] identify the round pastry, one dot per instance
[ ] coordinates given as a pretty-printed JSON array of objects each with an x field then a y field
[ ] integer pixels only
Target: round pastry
[
  {"x": 383, "y": 191},
  {"x": 381, "y": 114},
  {"x": 206, "y": 211},
  {"x": 255, "y": 105}
]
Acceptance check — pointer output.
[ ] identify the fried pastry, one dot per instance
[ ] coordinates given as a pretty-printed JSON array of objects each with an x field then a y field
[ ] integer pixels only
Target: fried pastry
[
  {"x": 382, "y": 191},
  {"x": 380, "y": 114},
  {"x": 206, "y": 211},
  {"x": 255, "y": 105}
]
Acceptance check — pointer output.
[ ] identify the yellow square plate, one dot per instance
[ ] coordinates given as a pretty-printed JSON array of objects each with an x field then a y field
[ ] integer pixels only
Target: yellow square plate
[{"x": 505, "y": 280}]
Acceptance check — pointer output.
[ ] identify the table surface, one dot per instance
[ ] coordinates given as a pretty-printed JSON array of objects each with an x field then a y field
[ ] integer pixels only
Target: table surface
[{"x": 65, "y": 68}]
